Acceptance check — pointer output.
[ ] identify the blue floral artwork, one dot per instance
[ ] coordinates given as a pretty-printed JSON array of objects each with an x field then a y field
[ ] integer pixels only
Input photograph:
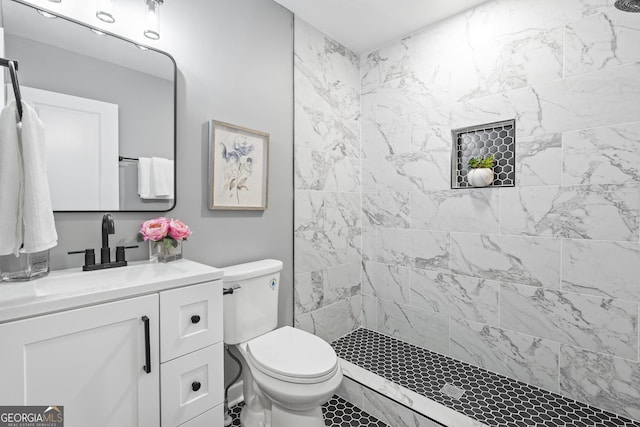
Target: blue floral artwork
[
  {"x": 239, "y": 161},
  {"x": 239, "y": 171}
]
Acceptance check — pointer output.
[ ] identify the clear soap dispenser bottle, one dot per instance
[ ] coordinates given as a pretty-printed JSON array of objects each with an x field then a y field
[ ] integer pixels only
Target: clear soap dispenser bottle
[{"x": 24, "y": 266}]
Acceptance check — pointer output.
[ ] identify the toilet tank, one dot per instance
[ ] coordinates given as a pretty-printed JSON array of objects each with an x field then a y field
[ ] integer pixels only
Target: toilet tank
[{"x": 252, "y": 309}]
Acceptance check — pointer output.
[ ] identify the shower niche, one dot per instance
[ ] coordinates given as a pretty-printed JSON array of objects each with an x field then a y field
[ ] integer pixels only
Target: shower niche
[{"x": 491, "y": 139}]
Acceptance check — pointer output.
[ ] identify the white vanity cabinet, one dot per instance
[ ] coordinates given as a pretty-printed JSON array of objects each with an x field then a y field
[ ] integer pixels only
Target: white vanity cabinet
[{"x": 146, "y": 351}]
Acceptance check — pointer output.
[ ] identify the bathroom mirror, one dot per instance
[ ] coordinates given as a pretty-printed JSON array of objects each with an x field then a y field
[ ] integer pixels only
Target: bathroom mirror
[{"x": 108, "y": 106}]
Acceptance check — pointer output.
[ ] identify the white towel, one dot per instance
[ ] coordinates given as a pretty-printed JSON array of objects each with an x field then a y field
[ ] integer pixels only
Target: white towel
[
  {"x": 39, "y": 225},
  {"x": 144, "y": 178},
  {"x": 11, "y": 183},
  {"x": 26, "y": 215},
  {"x": 162, "y": 178}
]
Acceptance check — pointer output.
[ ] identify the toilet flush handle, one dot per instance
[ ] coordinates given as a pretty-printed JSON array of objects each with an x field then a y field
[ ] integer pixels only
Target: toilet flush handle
[{"x": 234, "y": 288}]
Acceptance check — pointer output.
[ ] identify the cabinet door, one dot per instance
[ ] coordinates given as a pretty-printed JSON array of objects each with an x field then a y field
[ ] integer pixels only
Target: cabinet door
[{"x": 89, "y": 360}]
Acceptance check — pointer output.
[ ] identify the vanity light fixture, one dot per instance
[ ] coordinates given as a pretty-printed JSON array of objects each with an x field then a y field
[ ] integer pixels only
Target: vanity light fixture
[
  {"x": 104, "y": 12},
  {"x": 152, "y": 28},
  {"x": 46, "y": 14}
]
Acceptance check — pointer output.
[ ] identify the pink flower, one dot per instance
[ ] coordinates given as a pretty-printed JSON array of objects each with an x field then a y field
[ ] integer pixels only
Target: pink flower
[
  {"x": 155, "y": 229},
  {"x": 178, "y": 230}
]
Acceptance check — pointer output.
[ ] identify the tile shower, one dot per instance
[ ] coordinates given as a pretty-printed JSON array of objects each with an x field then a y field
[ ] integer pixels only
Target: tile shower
[{"x": 538, "y": 282}]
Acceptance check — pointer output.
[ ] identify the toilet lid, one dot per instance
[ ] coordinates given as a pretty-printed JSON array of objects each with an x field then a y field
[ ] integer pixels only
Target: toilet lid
[{"x": 292, "y": 353}]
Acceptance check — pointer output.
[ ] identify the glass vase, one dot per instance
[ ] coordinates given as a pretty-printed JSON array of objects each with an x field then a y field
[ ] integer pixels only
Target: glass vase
[
  {"x": 24, "y": 266},
  {"x": 164, "y": 250}
]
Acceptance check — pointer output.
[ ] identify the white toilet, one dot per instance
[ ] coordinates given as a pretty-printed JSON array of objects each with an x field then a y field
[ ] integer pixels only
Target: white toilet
[{"x": 287, "y": 373}]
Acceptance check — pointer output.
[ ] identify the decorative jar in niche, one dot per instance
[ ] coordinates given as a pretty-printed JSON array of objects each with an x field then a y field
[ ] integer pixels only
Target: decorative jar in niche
[{"x": 480, "y": 177}]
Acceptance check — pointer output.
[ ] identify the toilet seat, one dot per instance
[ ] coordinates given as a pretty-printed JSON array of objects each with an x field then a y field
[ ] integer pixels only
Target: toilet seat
[{"x": 293, "y": 355}]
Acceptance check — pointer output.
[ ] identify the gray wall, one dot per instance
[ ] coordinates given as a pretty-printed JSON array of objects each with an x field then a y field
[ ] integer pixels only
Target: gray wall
[{"x": 235, "y": 65}]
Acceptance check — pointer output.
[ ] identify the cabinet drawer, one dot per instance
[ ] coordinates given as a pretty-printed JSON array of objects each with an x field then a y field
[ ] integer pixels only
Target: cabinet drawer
[
  {"x": 212, "y": 418},
  {"x": 191, "y": 385},
  {"x": 190, "y": 319}
]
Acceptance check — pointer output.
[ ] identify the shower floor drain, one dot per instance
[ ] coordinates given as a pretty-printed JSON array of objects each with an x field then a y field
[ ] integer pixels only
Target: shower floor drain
[
  {"x": 492, "y": 399},
  {"x": 452, "y": 391}
]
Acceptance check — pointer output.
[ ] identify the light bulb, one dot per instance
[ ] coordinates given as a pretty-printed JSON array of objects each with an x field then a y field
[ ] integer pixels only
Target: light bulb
[
  {"x": 104, "y": 12},
  {"x": 152, "y": 28}
]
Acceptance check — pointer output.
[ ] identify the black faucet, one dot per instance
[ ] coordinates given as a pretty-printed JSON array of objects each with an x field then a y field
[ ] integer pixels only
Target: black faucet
[{"x": 108, "y": 227}]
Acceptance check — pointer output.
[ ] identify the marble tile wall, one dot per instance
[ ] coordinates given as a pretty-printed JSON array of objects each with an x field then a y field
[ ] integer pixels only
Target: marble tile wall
[
  {"x": 539, "y": 282},
  {"x": 328, "y": 197}
]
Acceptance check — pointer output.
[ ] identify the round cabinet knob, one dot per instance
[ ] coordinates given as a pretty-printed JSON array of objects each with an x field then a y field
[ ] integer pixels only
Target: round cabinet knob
[
  {"x": 195, "y": 319},
  {"x": 195, "y": 386}
]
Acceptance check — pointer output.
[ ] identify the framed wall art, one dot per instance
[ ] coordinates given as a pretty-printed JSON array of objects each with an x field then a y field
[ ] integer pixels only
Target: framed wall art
[{"x": 238, "y": 167}]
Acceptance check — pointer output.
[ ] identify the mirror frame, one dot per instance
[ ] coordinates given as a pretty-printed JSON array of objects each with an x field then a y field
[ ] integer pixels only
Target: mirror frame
[{"x": 175, "y": 103}]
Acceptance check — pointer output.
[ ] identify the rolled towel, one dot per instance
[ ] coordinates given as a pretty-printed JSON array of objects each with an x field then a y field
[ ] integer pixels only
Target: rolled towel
[
  {"x": 39, "y": 224},
  {"x": 11, "y": 183}
]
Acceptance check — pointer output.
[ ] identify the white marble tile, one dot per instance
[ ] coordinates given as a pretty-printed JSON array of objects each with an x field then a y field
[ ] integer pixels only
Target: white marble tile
[
  {"x": 333, "y": 321},
  {"x": 599, "y": 98},
  {"x": 523, "y": 357},
  {"x": 606, "y": 382},
  {"x": 601, "y": 40},
  {"x": 460, "y": 297},
  {"x": 524, "y": 260},
  {"x": 342, "y": 282},
  {"x": 317, "y": 250},
  {"x": 431, "y": 134},
  {"x": 352, "y": 392},
  {"x": 309, "y": 291},
  {"x": 607, "y": 212},
  {"x": 369, "y": 244},
  {"x": 390, "y": 210},
  {"x": 408, "y": 398},
  {"x": 389, "y": 282},
  {"x": 392, "y": 413},
  {"x": 324, "y": 63},
  {"x": 601, "y": 268},
  {"x": 599, "y": 324},
  {"x": 387, "y": 63},
  {"x": 318, "y": 210},
  {"x": 456, "y": 210},
  {"x": 386, "y": 138},
  {"x": 326, "y": 171},
  {"x": 416, "y": 171},
  {"x": 413, "y": 248},
  {"x": 539, "y": 160},
  {"x": 607, "y": 155},
  {"x": 528, "y": 57},
  {"x": 421, "y": 328},
  {"x": 395, "y": 98},
  {"x": 369, "y": 312}
]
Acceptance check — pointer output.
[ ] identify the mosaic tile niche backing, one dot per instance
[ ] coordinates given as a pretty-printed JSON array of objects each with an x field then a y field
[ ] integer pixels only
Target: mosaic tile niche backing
[{"x": 497, "y": 139}]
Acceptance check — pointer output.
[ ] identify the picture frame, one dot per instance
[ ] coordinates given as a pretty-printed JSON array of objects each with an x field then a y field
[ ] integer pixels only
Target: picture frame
[{"x": 238, "y": 167}]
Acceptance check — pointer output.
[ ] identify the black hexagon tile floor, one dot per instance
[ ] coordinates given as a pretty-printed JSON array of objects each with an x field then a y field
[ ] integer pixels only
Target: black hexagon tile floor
[
  {"x": 337, "y": 413},
  {"x": 487, "y": 397}
]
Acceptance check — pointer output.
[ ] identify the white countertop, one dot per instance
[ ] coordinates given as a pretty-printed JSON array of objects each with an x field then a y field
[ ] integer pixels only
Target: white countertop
[{"x": 73, "y": 288}]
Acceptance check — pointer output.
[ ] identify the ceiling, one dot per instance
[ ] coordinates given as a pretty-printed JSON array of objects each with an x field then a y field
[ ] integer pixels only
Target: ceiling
[{"x": 364, "y": 25}]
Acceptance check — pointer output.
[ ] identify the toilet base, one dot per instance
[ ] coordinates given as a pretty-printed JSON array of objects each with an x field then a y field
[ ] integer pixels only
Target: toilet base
[{"x": 281, "y": 417}]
